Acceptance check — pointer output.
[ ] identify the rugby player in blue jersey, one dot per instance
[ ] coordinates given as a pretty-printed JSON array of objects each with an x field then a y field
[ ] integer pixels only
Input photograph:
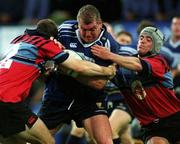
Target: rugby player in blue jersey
[
  {"x": 65, "y": 98},
  {"x": 173, "y": 44},
  {"x": 22, "y": 65},
  {"x": 114, "y": 103}
]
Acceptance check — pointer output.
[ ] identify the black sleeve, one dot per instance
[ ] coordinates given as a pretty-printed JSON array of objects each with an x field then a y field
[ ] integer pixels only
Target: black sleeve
[{"x": 145, "y": 68}]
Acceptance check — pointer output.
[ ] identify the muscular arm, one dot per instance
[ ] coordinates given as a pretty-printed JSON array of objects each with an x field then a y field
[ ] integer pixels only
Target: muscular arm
[
  {"x": 132, "y": 63},
  {"x": 93, "y": 82},
  {"x": 96, "y": 82},
  {"x": 87, "y": 68},
  {"x": 84, "y": 67}
]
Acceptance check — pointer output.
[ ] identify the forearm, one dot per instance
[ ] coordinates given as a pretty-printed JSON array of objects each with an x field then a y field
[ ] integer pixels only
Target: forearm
[
  {"x": 92, "y": 69},
  {"x": 87, "y": 68},
  {"x": 96, "y": 82},
  {"x": 129, "y": 62},
  {"x": 93, "y": 82}
]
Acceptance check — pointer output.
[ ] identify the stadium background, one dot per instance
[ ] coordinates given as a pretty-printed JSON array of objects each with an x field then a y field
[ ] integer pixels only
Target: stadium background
[{"x": 122, "y": 14}]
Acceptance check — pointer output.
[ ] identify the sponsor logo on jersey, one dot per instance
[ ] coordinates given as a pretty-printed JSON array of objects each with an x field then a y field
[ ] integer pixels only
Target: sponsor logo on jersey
[{"x": 73, "y": 45}]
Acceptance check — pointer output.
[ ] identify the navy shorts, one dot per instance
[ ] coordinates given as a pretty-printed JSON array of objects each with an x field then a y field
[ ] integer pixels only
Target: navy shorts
[
  {"x": 168, "y": 128},
  {"x": 54, "y": 112},
  {"x": 14, "y": 117},
  {"x": 115, "y": 101}
]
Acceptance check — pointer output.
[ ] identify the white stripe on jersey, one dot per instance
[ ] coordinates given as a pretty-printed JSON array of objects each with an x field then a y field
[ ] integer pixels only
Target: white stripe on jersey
[
  {"x": 68, "y": 26},
  {"x": 66, "y": 31},
  {"x": 108, "y": 45},
  {"x": 67, "y": 36},
  {"x": 126, "y": 50}
]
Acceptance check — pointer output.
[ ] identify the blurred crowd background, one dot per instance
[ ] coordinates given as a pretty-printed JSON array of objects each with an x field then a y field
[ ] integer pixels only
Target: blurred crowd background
[
  {"x": 29, "y": 11},
  {"x": 15, "y": 16}
]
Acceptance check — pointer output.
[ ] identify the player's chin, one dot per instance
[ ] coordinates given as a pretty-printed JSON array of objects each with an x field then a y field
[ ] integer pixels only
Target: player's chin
[{"x": 88, "y": 40}]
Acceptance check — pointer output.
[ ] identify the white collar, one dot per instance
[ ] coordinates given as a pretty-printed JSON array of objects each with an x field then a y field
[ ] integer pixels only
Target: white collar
[{"x": 89, "y": 44}]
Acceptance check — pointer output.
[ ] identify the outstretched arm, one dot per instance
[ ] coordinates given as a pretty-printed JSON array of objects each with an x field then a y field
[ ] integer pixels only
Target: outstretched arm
[
  {"x": 129, "y": 62},
  {"x": 83, "y": 67}
]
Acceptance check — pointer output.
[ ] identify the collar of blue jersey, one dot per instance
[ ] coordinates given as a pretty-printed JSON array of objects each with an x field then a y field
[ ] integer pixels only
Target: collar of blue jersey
[
  {"x": 34, "y": 32},
  {"x": 174, "y": 44},
  {"x": 88, "y": 44},
  {"x": 101, "y": 37}
]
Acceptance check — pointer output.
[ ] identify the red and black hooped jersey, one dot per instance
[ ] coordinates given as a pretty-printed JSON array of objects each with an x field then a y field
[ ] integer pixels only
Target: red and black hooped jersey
[
  {"x": 150, "y": 93},
  {"x": 20, "y": 67}
]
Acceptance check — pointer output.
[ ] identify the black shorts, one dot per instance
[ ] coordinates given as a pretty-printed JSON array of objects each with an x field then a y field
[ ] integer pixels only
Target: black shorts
[
  {"x": 116, "y": 103},
  {"x": 14, "y": 117},
  {"x": 112, "y": 105},
  {"x": 168, "y": 128},
  {"x": 54, "y": 113}
]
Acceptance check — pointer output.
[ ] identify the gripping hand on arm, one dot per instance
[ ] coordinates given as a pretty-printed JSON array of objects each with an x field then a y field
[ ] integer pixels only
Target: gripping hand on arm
[{"x": 129, "y": 62}]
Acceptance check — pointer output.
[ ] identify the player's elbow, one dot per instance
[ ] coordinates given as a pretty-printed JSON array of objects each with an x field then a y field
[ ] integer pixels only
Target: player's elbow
[{"x": 138, "y": 67}]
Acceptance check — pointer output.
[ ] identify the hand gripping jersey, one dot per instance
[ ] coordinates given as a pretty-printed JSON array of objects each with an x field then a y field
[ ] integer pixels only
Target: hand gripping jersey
[
  {"x": 68, "y": 35},
  {"x": 114, "y": 93},
  {"x": 22, "y": 64}
]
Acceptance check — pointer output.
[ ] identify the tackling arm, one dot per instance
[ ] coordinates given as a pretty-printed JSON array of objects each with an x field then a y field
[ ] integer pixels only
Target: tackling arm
[
  {"x": 129, "y": 62},
  {"x": 87, "y": 68}
]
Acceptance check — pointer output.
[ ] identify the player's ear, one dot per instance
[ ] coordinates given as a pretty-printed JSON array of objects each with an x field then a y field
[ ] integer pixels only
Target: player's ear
[{"x": 100, "y": 23}]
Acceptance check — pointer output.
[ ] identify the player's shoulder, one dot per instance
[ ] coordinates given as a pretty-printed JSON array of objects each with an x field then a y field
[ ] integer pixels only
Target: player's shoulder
[
  {"x": 128, "y": 50},
  {"x": 69, "y": 24}
]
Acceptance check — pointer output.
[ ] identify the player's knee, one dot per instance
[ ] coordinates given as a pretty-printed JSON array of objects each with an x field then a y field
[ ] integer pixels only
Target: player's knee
[
  {"x": 115, "y": 133},
  {"x": 79, "y": 132},
  {"x": 157, "y": 140},
  {"x": 104, "y": 141}
]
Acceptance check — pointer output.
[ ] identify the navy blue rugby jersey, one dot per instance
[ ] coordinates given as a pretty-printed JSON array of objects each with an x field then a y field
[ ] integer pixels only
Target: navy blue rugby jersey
[
  {"x": 62, "y": 88},
  {"x": 114, "y": 93},
  {"x": 127, "y": 50},
  {"x": 69, "y": 36},
  {"x": 169, "y": 57},
  {"x": 174, "y": 47}
]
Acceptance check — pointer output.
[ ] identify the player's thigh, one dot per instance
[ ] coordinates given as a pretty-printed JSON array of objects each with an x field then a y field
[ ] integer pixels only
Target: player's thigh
[
  {"x": 97, "y": 124},
  {"x": 38, "y": 132},
  {"x": 119, "y": 119}
]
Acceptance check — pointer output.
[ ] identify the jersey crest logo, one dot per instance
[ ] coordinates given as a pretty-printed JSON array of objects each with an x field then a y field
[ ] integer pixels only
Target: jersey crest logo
[
  {"x": 138, "y": 89},
  {"x": 73, "y": 45}
]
